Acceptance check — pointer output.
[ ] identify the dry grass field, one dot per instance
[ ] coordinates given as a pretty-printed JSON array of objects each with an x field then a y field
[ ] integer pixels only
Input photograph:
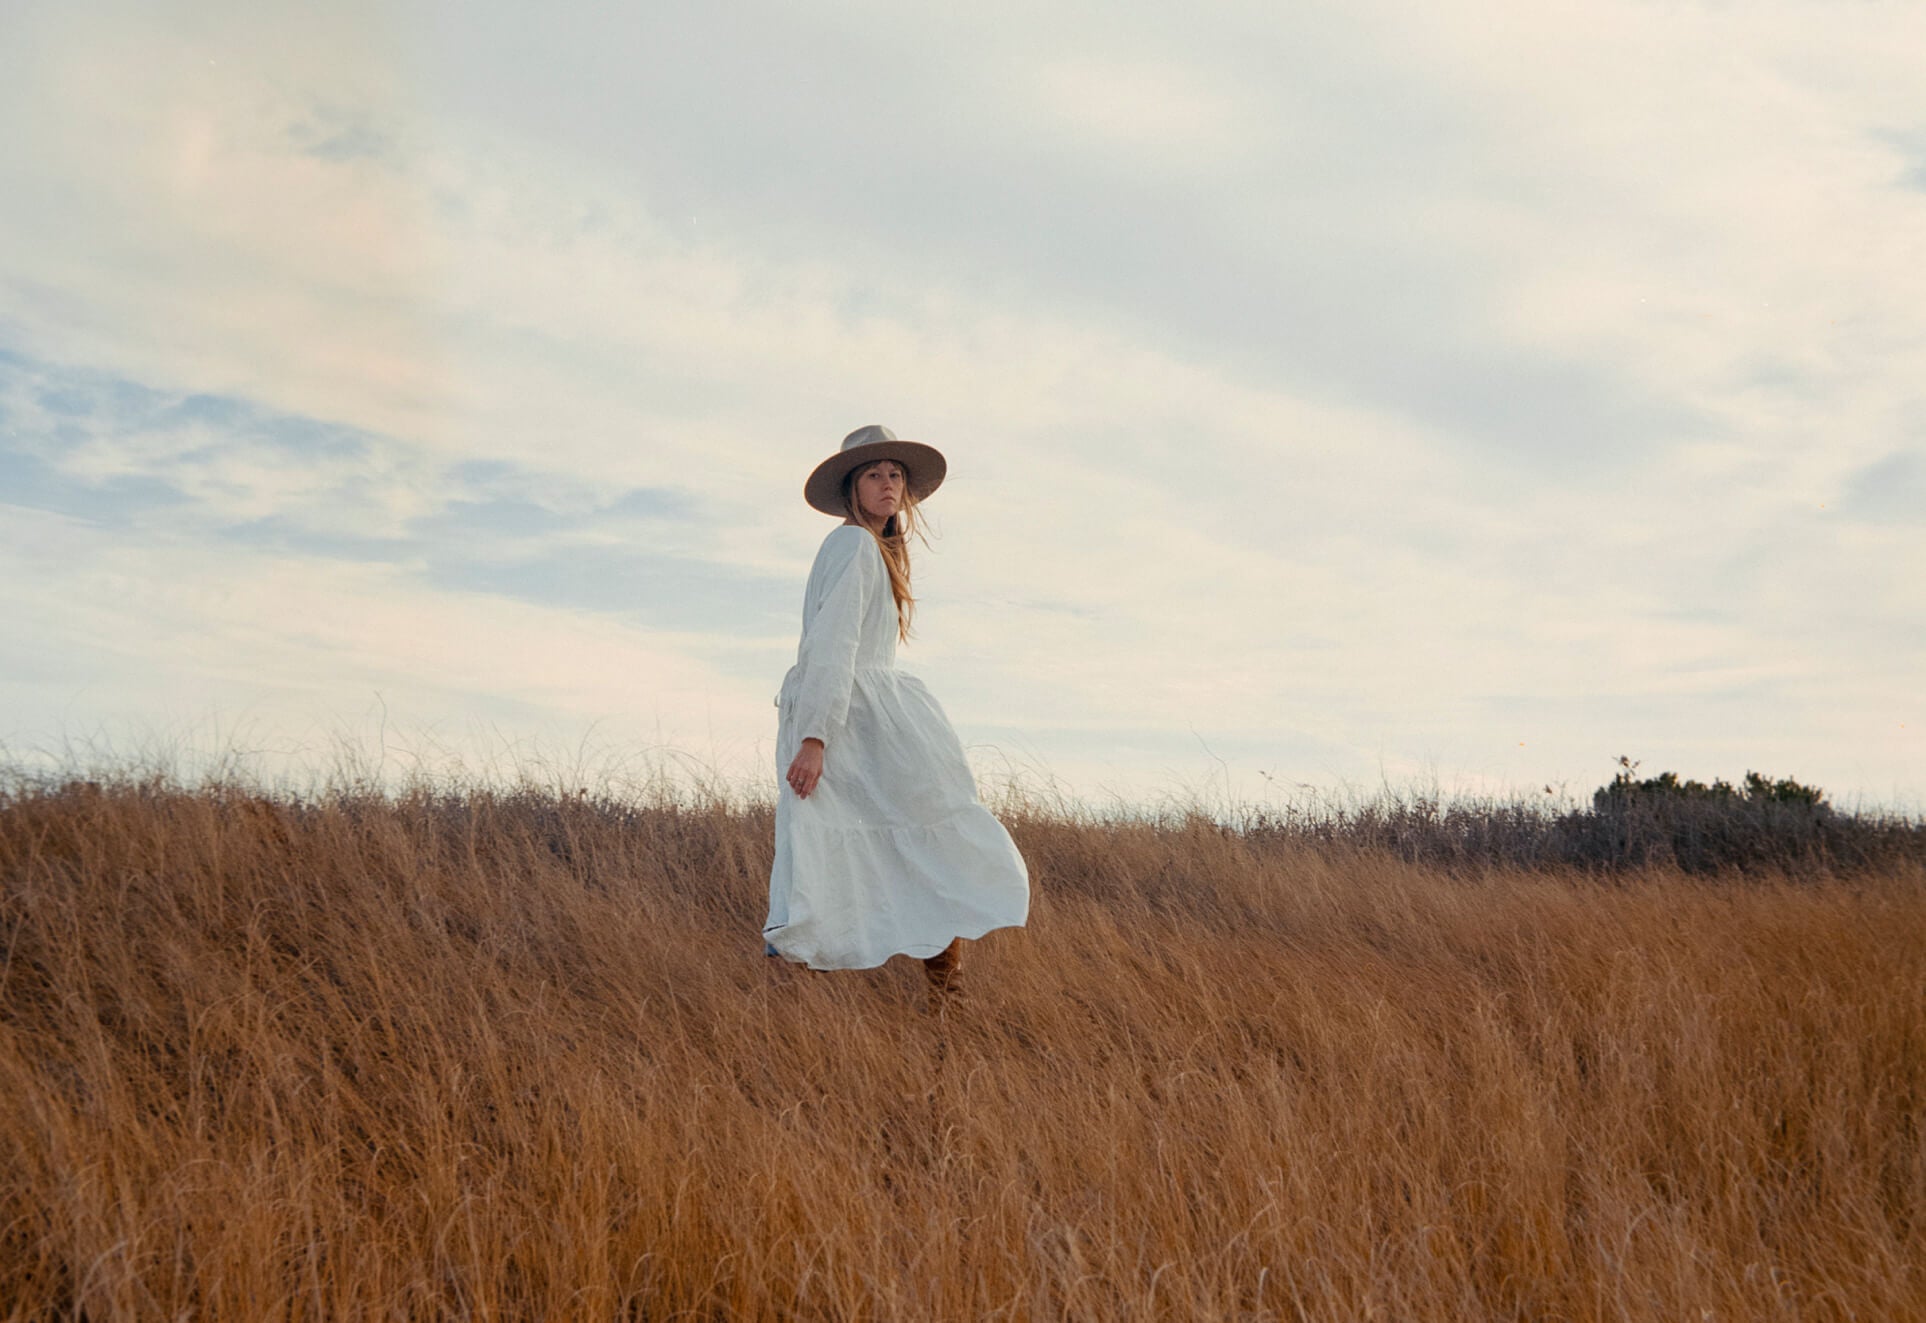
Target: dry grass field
[{"x": 518, "y": 1056}]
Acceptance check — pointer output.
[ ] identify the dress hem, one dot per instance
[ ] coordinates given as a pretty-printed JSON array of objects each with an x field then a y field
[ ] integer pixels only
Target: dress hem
[{"x": 966, "y": 935}]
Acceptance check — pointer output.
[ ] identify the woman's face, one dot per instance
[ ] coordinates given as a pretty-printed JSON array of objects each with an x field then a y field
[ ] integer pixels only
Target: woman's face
[{"x": 879, "y": 489}]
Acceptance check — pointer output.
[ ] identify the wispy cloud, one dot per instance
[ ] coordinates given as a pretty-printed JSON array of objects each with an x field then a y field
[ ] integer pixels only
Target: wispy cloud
[{"x": 224, "y": 472}]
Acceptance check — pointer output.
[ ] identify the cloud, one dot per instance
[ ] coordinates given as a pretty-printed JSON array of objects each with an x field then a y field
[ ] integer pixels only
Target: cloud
[
  {"x": 1891, "y": 490},
  {"x": 225, "y": 472},
  {"x": 339, "y": 135},
  {"x": 1151, "y": 113},
  {"x": 31, "y": 482},
  {"x": 152, "y": 633}
]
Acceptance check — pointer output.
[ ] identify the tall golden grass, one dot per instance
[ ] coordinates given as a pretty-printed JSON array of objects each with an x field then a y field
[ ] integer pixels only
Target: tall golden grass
[{"x": 517, "y": 1055}]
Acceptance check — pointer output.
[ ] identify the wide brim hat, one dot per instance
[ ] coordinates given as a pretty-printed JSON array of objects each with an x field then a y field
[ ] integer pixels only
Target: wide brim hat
[{"x": 925, "y": 465}]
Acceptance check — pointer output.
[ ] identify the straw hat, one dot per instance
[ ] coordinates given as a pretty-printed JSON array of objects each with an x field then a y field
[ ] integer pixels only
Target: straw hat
[{"x": 924, "y": 464}]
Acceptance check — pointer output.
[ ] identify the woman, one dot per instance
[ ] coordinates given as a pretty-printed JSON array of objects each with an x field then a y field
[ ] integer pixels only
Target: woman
[{"x": 882, "y": 848}]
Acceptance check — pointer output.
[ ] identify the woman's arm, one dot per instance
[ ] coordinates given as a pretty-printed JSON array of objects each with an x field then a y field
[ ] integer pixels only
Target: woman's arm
[{"x": 830, "y": 639}]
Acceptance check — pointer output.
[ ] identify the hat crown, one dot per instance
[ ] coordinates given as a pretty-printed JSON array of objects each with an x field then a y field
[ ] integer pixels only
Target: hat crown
[{"x": 868, "y": 436}]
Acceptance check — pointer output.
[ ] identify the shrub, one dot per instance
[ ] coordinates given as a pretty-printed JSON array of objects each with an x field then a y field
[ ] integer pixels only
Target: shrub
[
  {"x": 1763, "y": 825},
  {"x": 1759, "y": 825}
]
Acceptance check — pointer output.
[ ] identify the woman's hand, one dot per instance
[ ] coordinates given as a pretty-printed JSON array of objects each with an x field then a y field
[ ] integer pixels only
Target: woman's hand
[{"x": 806, "y": 769}]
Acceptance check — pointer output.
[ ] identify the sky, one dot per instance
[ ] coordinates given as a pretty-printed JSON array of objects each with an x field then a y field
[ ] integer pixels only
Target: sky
[{"x": 1335, "y": 396}]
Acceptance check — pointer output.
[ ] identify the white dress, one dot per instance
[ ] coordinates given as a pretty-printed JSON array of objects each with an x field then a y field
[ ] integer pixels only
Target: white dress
[{"x": 892, "y": 853}]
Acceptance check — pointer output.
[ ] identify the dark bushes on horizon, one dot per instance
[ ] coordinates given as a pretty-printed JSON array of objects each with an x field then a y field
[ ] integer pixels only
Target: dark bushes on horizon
[{"x": 1763, "y": 825}]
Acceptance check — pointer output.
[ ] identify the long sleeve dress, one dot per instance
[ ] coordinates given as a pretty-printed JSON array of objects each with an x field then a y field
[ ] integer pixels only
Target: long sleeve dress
[{"x": 892, "y": 853}]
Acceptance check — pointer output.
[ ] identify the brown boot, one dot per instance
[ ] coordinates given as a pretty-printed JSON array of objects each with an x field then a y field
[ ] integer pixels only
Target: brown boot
[{"x": 945, "y": 972}]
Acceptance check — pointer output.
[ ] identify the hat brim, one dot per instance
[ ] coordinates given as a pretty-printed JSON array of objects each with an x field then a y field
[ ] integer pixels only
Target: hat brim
[{"x": 926, "y": 466}]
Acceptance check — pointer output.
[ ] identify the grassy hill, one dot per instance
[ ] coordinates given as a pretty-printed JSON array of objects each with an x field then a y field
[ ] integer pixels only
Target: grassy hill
[{"x": 517, "y": 1055}]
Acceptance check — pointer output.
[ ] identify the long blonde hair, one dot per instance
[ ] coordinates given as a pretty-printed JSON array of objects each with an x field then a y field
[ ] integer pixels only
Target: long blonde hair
[{"x": 892, "y": 535}]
